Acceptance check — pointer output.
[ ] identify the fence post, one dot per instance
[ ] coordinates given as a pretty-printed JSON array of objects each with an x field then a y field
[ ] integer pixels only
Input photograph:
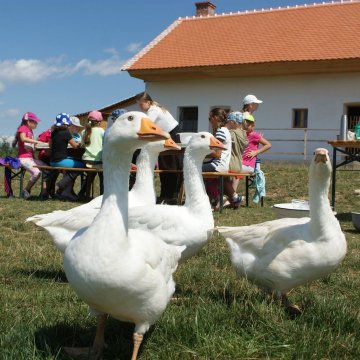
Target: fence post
[{"x": 305, "y": 143}]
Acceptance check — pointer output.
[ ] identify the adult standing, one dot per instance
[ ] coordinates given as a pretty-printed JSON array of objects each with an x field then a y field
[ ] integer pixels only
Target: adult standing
[
  {"x": 250, "y": 104},
  {"x": 170, "y": 183}
]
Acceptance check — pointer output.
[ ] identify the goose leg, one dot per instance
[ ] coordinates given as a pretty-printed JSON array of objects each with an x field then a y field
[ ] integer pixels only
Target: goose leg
[
  {"x": 137, "y": 342},
  {"x": 97, "y": 349},
  {"x": 99, "y": 341},
  {"x": 290, "y": 307}
]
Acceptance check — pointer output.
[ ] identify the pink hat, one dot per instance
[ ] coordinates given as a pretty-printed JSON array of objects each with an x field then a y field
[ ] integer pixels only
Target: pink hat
[
  {"x": 30, "y": 116},
  {"x": 95, "y": 115}
]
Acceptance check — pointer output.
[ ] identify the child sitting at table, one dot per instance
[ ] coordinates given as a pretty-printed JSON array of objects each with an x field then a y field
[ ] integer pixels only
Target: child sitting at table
[
  {"x": 60, "y": 138},
  {"x": 239, "y": 142},
  {"x": 218, "y": 160},
  {"x": 76, "y": 128},
  {"x": 92, "y": 140},
  {"x": 24, "y": 137}
]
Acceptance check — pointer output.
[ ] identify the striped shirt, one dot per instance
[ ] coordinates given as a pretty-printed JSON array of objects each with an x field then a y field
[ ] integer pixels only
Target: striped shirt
[{"x": 222, "y": 164}]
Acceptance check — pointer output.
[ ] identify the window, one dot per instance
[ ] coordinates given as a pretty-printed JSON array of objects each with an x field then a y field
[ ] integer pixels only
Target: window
[
  {"x": 300, "y": 118},
  {"x": 353, "y": 116},
  {"x": 188, "y": 119}
]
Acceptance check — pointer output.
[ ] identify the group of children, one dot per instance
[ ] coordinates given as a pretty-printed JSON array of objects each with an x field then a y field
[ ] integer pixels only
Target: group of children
[
  {"x": 66, "y": 132},
  {"x": 236, "y": 130}
]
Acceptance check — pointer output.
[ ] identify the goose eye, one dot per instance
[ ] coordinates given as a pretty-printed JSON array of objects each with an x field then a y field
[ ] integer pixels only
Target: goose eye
[
  {"x": 203, "y": 136},
  {"x": 130, "y": 118}
]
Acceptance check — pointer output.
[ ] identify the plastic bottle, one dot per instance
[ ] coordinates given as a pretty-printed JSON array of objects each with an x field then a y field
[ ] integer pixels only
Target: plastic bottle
[
  {"x": 258, "y": 161},
  {"x": 357, "y": 131}
]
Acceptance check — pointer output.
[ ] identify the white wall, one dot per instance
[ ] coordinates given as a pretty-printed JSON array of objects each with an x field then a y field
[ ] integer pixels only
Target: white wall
[{"x": 325, "y": 97}]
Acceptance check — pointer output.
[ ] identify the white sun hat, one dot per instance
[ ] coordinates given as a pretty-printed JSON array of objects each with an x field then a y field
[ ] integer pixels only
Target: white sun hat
[
  {"x": 251, "y": 99},
  {"x": 75, "y": 121}
]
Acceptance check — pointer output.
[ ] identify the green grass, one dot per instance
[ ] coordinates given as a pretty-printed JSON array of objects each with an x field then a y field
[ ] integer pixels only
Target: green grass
[{"x": 217, "y": 315}]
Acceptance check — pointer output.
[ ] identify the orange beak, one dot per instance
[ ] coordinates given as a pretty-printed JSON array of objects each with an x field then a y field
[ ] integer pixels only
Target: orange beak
[
  {"x": 151, "y": 132},
  {"x": 216, "y": 144},
  {"x": 170, "y": 144}
]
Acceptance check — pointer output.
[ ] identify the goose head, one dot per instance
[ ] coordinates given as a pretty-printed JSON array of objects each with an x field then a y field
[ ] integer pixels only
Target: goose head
[
  {"x": 203, "y": 143},
  {"x": 320, "y": 165},
  {"x": 319, "y": 173},
  {"x": 130, "y": 129}
]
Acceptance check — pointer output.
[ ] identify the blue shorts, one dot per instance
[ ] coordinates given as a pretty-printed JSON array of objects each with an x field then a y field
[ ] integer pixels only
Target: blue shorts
[{"x": 68, "y": 162}]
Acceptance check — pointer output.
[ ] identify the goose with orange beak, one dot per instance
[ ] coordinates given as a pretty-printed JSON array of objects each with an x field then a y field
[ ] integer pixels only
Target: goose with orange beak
[{"x": 117, "y": 271}]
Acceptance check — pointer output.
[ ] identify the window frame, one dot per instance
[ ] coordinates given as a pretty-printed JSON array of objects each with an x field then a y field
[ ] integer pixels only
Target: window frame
[{"x": 304, "y": 116}]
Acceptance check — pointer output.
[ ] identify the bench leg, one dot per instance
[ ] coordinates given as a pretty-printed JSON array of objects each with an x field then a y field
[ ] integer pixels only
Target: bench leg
[
  {"x": 247, "y": 184},
  {"x": 221, "y": 179},
  {"x": 50, "y": 178},
  {"x": 21, "y": 185}
]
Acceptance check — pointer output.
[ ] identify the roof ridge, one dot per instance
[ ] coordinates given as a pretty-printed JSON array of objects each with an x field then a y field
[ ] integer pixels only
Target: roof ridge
[
  {"x": 151, "y": 44},
  {"x": 263, "y": 10}
]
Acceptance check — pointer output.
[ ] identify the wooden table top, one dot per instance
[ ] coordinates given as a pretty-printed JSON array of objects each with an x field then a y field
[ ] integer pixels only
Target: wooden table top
[{"x": 355, "y": 144}]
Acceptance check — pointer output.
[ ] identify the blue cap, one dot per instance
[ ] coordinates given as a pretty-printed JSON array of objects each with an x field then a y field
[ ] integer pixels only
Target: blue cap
[
  {"x": 236, "y": 116},
  {"x": 62, "y": 119},
  {"x": 118, "y": 112}
]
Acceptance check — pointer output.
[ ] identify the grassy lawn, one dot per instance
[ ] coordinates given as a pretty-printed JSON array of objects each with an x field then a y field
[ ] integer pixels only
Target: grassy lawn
[{"x": 217, "y": 315}]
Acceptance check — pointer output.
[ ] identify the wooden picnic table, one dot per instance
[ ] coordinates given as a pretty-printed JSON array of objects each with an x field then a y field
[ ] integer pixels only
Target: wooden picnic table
[{"x": 345, "y": 147}]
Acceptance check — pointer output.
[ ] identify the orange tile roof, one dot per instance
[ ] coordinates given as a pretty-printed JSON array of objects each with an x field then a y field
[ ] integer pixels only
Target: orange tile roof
[{"x": 305, "y": 33}]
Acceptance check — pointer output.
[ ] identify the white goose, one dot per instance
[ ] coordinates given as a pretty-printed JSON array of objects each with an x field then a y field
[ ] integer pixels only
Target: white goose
[
  {"x": 282, "y": 254},
  {"x": 63, "y": 224},
  {"x": 124, "y": 273},
  {"x": 192, "y": 223}
]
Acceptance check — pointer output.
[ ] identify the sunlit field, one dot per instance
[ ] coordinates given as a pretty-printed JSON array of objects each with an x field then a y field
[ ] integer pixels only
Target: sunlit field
[{"x": 216, "y": 315}]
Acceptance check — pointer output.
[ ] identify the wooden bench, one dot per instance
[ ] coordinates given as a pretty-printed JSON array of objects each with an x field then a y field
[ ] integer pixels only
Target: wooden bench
[
  {"x": 17, "y": 174},
  {"x": 47, "y": 170},
  {"x": 249, "y": 179}
]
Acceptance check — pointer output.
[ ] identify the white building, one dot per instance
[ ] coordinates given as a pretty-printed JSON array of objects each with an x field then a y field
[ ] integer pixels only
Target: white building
[{"x": 303, "y": 62}]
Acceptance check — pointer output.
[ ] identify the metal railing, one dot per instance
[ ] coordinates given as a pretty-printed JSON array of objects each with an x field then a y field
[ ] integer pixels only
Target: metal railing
[{"x": 305, "y": 136}]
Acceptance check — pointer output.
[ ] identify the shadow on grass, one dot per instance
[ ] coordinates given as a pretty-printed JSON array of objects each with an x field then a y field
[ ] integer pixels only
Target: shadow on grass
[
  {"x": 351, "y": 231},
  {"x": 54, "y": 275},
  {"x": 118, "y": 338},
  {"x": 343, "y": 216},
  {"x": 181, "y": 293}
]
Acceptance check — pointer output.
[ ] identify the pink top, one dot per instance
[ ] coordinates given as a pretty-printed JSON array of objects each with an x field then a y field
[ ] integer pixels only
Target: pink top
[
  {"x": 24, "y": 151},
  {"x": 254, "y": 139}
]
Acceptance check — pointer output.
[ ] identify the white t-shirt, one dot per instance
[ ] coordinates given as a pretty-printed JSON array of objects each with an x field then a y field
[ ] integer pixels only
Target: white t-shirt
[
  {"x": 222, "y": 164},
  {"x": 162, "y": 118}
]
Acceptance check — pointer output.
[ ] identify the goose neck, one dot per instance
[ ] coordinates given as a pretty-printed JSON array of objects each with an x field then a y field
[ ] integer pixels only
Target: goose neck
[
  {"x": 320, "y": 209},
  {"x": 193, "y": 180},
  {"x": 116, "y": 185},
  {"x": 145, "y": 168}
]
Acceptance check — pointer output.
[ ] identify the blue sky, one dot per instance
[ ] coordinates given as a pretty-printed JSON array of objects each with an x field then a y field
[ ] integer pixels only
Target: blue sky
[{"x": 65, "y": 56}]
